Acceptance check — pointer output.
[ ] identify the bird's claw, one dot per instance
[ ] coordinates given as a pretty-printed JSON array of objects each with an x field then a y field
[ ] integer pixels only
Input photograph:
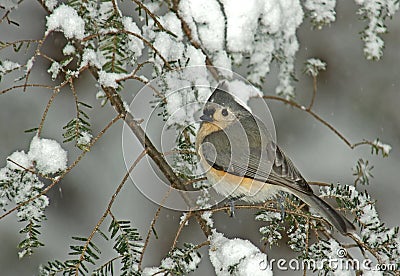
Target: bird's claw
[{"x": 281, "y": 203}]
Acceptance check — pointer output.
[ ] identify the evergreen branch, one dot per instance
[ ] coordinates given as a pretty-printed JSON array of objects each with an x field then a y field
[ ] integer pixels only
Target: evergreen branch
[
  {"x": 107, "y": 266},
  {"x": 148, "y": 43},
  {"x": 18, "y": 43},
  {"x": 64, "y": 173},
  {"x": 154, "y": 17},
  {"x": 127, "y": 245},
  {"x": 31, "y": 170}
]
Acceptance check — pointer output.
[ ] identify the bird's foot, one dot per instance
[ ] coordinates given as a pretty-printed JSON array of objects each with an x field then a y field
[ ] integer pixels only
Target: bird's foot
[
  {"x": 231, "y": 210},
  {"x": 281, "y": 204}
]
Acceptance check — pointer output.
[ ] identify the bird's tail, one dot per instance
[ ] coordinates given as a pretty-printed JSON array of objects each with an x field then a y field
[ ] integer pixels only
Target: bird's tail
[{"x": 331, "y": 215}]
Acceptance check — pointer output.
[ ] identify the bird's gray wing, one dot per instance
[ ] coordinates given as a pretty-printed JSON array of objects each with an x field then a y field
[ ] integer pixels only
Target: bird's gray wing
[{"x": 253, "y": 157}]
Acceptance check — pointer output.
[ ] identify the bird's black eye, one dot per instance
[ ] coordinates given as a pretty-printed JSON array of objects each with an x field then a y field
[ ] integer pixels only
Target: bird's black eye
[{"x": 224, "y": 112}]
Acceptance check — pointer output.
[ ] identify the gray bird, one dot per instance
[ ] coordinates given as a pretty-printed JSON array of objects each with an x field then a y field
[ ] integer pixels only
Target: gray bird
[{"x": 242, "y": 161}]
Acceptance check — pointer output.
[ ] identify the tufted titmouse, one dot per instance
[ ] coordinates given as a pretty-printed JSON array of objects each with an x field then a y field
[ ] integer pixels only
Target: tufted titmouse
[{"x": 242, "y": 161}]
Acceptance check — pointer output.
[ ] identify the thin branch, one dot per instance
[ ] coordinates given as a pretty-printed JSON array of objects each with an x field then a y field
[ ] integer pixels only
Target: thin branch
[
  {"x": 37, "y": 53},
  {"x": 108, "y": 209},
  {"x": 75, "y": 95},
  {"x": 314, "y": 93},
  {"x": 8, "y": 44},
  {"x": 27, "y": 85},
  {"x": 318, "y": 183},
  {"x": 317, "y": 117},
  {"x": 153, "y": 222},
  {"x": 46, "y": 110},
  {"x": 180, "y": 228}
]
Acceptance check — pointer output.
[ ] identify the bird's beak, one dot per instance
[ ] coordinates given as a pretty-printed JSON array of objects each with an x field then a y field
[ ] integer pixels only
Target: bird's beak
[
  {"x": 207, "y": 114},
  {"x": 206, "y": 118}
]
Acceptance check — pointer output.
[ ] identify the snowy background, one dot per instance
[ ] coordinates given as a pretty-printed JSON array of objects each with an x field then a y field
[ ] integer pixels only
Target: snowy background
[{"x": 359, "y": 97}]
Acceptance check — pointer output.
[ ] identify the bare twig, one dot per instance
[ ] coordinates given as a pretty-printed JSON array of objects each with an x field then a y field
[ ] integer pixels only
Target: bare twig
[
  {"x": 46, "y": 110},
  {"x": 37, "y": 53},
  {"x": 27, "y": 85},
  {"x": 180, "y": 228},
  {"x": 314, "y": 93},
  {"x": 318, "y": 183},
  {"x": 153, "y": 222},
  {"x": 318, "y": 118}
]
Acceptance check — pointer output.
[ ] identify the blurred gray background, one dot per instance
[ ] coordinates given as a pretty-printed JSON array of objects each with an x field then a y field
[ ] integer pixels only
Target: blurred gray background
[{"x": 359, "y": 97}]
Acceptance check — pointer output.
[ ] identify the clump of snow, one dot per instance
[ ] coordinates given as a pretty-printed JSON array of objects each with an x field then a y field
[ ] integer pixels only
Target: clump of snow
[
  {"x": 48, "y": 155},
  {"x": 84, "y": 138},
  {"x": 237, "y": 257},
  {"x": 127, "y": 107},
  {"x": 7, "y": 66},
  {"x": 110, "y": 79},
  {"x": 321, "y": 11},
  {"x": 69, "y": 49},
  {"x": 50, "y": 4},
  {"x": 184, "y": 219},
  {"x": 243, "y": 91},
  {"x": 385, "y": 148},
  {"x": 375, "y": 12},
  {"x": 172, "y": 23},
  {"x": 366, "y": 213},
  {"x": 20, "y": 185},
  {"x": 242, "y": 23},
  {"x": 90, "y": 57},
  {"x": 150, "y": 271},
  {"x": 54, "y": 70},
  {"x": 29, "y": 64},
  {"x": 66, "y": 20},
  {"x": 186, "y": 261},
  {"x": 167, "y": 263},
  {"x": 207, "y": 216},
  {"x": 135, "y": 45},
  {"x": 182, "y": 101},
  {"x": 209, "y": 21},
  {"x": 21, "y": 158},
  {"x": 314, "y": 65}
]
